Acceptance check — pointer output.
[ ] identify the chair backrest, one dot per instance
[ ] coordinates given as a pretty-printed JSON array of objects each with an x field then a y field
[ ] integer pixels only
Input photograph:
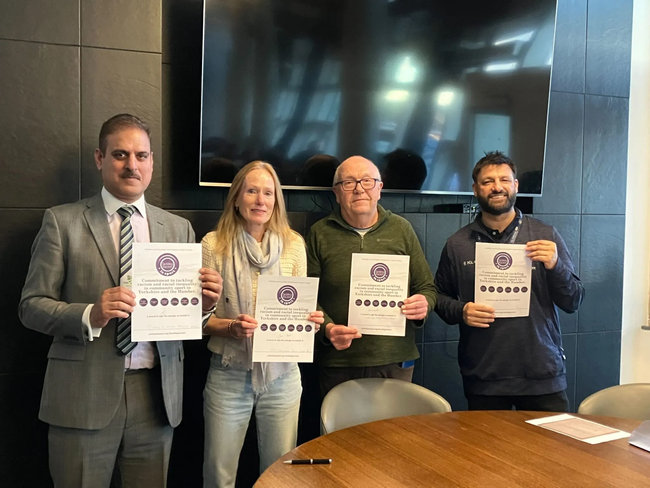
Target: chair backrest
[
  {"x": 631, "y": 401},
  {"x": 368, "y": 399}
]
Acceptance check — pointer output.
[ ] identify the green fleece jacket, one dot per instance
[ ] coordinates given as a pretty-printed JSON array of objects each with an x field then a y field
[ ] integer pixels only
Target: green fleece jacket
[{"x": 330, "y": 245}]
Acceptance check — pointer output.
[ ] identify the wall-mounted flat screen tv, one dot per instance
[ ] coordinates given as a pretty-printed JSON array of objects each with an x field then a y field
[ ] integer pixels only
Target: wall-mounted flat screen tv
[{"x": 421, "y": 87}]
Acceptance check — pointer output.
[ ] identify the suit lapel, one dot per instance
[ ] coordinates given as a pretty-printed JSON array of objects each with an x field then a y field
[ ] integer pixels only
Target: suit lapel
[
  {"x": 95, "y": 215},
  {"x": 156, "y": 225}
]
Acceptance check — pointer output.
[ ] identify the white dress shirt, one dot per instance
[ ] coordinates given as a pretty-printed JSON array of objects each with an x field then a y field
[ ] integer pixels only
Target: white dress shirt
[{"x": 144, "y": 354}]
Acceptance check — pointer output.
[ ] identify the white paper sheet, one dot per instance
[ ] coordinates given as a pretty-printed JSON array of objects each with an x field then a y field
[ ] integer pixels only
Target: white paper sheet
[
  {"x": 167, "y": 291},
  {"x": 503, "y": 276},
  {"x": 378, "y": 288},
  {"x": 283, "y": 332},
  {"x": 581, "y": 429}
]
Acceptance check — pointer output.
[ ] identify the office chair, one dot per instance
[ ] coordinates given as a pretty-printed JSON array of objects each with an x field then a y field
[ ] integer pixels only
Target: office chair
[
  {"x": 631, "y": 401},
  {"x": 368, "y": 399}
]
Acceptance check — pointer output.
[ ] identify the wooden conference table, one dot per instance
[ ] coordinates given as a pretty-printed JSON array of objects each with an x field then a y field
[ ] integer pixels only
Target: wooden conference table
[{"x": 471, "y": 449}]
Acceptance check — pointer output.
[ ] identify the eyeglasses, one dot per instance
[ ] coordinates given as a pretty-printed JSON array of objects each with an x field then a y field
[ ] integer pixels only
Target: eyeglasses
[{"x": 351, "y": 185}]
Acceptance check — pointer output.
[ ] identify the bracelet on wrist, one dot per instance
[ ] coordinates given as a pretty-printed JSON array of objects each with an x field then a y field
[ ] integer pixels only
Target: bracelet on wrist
[{"x": 230, "y": 325}]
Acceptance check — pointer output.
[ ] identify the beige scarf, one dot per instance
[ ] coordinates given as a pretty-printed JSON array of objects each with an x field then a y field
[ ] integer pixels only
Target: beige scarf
[{"x": 245, "y": 256}]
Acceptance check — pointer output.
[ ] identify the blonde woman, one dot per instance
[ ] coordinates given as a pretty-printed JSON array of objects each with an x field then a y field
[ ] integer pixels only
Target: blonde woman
[{"x": 253, "y": 237}]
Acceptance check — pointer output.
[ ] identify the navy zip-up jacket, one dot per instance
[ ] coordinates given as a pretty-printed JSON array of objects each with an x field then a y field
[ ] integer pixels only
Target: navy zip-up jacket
[{"x": 514, "y": 356}]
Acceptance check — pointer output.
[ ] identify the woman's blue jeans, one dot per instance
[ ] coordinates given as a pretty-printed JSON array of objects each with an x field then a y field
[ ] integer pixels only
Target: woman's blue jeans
[{"x": 228, "y": 401}]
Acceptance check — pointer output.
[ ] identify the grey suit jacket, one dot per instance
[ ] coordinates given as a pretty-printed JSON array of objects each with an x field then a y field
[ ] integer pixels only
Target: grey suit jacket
[{"x": 73, "y": 261}]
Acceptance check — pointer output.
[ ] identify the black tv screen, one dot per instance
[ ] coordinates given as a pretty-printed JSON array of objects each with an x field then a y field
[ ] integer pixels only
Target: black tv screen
[{"x": 421, "y": 87}]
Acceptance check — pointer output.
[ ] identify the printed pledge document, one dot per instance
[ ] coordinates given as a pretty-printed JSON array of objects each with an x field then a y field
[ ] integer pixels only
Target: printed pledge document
[
  {"x": 167, "y": 291},
  {"x": 378, "y": 287},
  {"x": 581, "y": 429},
  {"x": 283, "y": 334},
  {"x": 503, "y": 273}
]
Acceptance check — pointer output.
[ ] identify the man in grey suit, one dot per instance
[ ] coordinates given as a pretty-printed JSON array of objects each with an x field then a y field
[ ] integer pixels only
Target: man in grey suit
[{"x": 111, "y": 415}]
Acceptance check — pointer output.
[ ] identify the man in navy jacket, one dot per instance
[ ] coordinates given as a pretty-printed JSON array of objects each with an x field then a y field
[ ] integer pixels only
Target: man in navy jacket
[{"x": 508, "y": 362}]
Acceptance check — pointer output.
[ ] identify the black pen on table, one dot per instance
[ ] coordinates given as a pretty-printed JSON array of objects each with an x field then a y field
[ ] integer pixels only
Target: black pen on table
[{"x": 309, "y": 461}]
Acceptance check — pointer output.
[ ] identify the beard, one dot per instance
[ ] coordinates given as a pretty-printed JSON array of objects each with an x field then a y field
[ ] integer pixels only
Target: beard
[{"x": 488, "y": 206}]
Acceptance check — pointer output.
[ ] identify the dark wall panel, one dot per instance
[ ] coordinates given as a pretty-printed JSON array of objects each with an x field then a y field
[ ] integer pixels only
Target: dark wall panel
[
  {"x": 23, "y": 356},
  {"x": 609, "y": 35},
  {"x": 122, "y": 24},
  {"x": 596, "y": 354},
  {"x": 23, "y": 446},
  {"x": 419, "y": 224},
  {"x": 601, "y": 265},
  {"x": 40, "y": 21},
  {"x": 182, "y": 30},
  {"x": 563, "y": 162},
  {"x": 568, "y": 225},
  {"x": 21, "y": 350},
  {"x": 317, "y": 203},
  {"x": 440, "y": 372},
  {"x": 39, "y": 117},
  {"x": 570, "y": 46},
  {"x": 439, "y": 228},
  {"x": 112, "y": 82},
  {"x": 181, "y": 114},
  {"x": 605, "y": 155}
]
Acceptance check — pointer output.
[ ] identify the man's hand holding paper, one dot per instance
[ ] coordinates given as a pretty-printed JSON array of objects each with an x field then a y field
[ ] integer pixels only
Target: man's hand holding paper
[
  {"x": 542, "y": 251},
  {"x": 415, "y": 307},
  {"x": 478, "y": 314}
]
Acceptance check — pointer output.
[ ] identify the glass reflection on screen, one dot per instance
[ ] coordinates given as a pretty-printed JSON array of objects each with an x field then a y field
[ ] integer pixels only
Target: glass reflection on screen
[{"x": 423, "y": 89}]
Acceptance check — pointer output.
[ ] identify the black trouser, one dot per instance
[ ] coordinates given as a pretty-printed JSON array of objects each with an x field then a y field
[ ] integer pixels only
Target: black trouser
[{"x": 552, "y": 402}]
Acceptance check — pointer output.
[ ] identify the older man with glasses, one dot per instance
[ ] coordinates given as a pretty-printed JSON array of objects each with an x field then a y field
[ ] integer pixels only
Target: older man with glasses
[{"x": 361, "y": 225}]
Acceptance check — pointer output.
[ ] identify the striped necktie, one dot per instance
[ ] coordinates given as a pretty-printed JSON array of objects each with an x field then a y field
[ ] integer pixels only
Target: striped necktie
[{"x": 123, "y": 332}]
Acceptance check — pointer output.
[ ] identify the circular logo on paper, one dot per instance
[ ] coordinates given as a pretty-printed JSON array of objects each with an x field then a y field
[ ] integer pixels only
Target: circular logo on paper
[
  {"x": 392, "y": 304},
  {"x": 384, "y": 303},
  {"x": 143, "y": 302},
  {"x": 174, "y": 301},
  {"x": 483, "y": 288},
  {"x": 308, "y": 328},
  {"x": 379, "y": 272},
  {"x": 502, "y": 260},
  {"x": 524, "y": 289},
  {"x": 499, "y": 289},
  {"x": 167, "y": 264},
  {"x": 264, "y": 327},
  {"x": 375, "y": 303},
  {"x": 164, "y": 302},
  {"x": 516, "y": 289},
  {"x": 154, "y": 302},
  {"x": 358, "y": 302},
  {"x": 274, "y": 327},
  {"x": 282, "y": 327},
  {"x": 299, "y": 327},
  {"x": 287, "y": 295},
  {"x": 184, "y": 301},
  {"x": 195, "y": 301},
  {"x": 366, "y": 303},
  {"x": 291, "y": 327}
]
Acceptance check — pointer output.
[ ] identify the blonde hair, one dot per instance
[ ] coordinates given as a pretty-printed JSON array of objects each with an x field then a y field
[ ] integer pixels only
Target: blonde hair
[{"x": 231, "y": 220}]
